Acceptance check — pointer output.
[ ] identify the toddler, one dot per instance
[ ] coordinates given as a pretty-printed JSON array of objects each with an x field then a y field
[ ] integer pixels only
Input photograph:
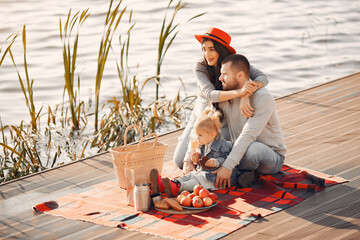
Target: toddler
[{"x": 209, "y": 151}]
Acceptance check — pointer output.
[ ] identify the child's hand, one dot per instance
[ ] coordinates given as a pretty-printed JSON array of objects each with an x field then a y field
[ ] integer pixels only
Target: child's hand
[
  {"x": 210, "y": 163},
  {"x": 195, "y": 156}
]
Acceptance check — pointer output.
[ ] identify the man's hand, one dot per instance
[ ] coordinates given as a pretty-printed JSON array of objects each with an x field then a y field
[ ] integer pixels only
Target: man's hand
[
  {"x": 223, "y": 177},
  {"x": 245, "y": 107},
  {"x": 188, "y": 167}
]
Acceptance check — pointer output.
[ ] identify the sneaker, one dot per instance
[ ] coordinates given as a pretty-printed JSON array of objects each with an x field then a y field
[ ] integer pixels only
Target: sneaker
[
  {"x": 245, "y": 178},
  {"x": 172, "y": 187}
]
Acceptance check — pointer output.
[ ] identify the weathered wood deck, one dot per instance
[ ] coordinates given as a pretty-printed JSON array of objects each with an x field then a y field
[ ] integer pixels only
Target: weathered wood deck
[{"x": 322, "y": 132}]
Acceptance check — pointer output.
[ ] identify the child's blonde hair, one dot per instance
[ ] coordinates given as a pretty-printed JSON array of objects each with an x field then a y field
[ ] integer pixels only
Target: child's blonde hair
[{"x": 210, "y": 121}]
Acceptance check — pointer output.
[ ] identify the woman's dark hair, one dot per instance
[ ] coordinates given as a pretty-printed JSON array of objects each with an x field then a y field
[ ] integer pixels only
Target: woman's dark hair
[{"x": 214, "y": 71}]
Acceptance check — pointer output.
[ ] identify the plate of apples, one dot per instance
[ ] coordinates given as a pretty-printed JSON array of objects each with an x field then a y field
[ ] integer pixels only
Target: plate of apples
[{"x": 199, "y": 199}]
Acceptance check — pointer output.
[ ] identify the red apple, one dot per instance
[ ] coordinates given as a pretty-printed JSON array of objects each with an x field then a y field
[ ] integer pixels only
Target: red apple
[
  {"x": 196, "y": 197},
  {"x": 191, "y": 195},
  {"x": 197, "y": 189},
  {"x": 204, "y": 193},
  {"x": 197, "y": 202},
  {"x": 185, "y": 193},
  {"x": 179, "y": 197},
  {"x": 207, "y": 201},
  {"x": 214, "y": 197},
  {"x": 185, "y": 201}
]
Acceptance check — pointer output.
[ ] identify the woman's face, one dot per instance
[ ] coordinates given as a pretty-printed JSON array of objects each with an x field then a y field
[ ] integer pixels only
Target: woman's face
[{"x": 210, "y": 54}]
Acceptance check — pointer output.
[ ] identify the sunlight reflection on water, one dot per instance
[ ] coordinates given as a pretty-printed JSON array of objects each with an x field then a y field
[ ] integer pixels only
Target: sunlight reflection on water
[{"x": 298, "y": 44}]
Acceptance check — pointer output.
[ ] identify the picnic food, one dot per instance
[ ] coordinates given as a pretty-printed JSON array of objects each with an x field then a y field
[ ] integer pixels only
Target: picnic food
[
  {"x": 197, "y": 189},
  {"x": 162, "y": 204},
  {"x": 204, "y": 193},
  {"x": 197, "y": 202},
  {"x": 174, "y": 204},
  {"x": 214, "y": 197},
  {"x": 186, "y": 201},
  {"x": 207, "y": 201},
  {"x": 198, "y": 198}
]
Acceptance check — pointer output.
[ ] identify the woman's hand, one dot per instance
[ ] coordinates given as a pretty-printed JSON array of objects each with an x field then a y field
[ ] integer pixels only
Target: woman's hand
[
  {"x": 249, "y": 87},
  {"x": 245, "y": 107},
  {"x": 188, "y": 167}
]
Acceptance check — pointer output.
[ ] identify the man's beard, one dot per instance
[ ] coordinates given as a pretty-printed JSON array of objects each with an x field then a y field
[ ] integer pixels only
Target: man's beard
[{"x": 234, "y": 86}]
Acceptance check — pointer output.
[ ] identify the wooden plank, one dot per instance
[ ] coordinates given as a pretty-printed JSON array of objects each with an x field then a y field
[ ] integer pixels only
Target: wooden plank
[{"x": 322, "y": 132}]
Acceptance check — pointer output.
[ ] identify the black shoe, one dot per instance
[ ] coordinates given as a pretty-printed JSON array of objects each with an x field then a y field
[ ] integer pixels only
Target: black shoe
[{"x": 245, "y": 178}]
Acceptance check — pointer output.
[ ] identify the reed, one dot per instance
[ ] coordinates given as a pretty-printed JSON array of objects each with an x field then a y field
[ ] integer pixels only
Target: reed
[
  {"x": 112, "y": 21},
  {"x": 126, "y": 110},
  {"x": 69, "y": 61},
  {"x": 26, "y": 84},
  {"x": 21, "y": 156},
  {"x": 26, "y": 149},
  {"x": 168, "y": 33}
]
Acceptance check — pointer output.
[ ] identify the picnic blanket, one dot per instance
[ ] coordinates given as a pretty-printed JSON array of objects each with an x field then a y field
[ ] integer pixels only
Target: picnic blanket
[{"x": 105, "y": 204}]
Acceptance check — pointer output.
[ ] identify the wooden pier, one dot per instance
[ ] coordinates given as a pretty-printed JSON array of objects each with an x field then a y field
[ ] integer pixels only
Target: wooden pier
[{"x": 322, "y": 132}]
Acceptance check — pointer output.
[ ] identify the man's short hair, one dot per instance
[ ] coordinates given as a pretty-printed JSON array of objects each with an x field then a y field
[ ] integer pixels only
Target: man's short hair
[{"x": 238, "y": 62}]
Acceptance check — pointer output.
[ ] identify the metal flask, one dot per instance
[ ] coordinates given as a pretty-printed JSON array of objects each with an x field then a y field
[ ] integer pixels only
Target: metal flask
[{"x": 142, "y": 197}]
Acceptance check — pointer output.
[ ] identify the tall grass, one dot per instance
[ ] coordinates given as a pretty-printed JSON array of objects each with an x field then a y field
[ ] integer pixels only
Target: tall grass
[
  {"x": 69, "y": 61},
  {"x": 113, "y": 18},
  {"x": 26, "y": 149},
  {"x": 27, "y": 84},
  {"x": 168, "y": 33}
]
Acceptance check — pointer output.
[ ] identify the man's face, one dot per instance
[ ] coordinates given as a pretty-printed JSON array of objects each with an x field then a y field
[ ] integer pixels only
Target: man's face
[{"x": 228, "y": 77}]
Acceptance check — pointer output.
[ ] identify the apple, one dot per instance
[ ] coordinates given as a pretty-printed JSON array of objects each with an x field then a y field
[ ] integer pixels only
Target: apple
[
  {"x": 197, "y": 202},
  {"x": 204, "y": 193},
  {"x": 179, "y": 197},
  {"x": 191, "y": 195},
  {"x": 214, "y": 197},
  {"x": 185, "y": 193},
  {"x": 207, "y": 201},
  {"x": 197, "y": 189},
  {"x": 185, "y": 201}
]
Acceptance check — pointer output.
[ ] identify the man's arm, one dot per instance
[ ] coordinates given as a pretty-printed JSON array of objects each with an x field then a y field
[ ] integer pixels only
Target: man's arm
[{"x": 264, "y": 106}]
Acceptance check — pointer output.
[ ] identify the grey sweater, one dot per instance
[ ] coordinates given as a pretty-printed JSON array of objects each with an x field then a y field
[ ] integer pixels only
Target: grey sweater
[
  {"x": 207, "y": 89},
  {"x": 263, "y": 127}
]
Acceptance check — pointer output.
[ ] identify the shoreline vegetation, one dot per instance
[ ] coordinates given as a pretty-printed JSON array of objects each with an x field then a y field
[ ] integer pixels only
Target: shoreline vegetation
[{"x": 68, "y": 133}]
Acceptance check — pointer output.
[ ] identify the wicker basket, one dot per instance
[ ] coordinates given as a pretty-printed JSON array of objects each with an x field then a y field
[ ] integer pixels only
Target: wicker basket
[{"x": 147, "y": 154}]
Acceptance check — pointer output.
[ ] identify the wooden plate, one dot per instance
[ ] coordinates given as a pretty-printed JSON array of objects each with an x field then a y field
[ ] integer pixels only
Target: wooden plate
[{"x": 187, "y": 210}]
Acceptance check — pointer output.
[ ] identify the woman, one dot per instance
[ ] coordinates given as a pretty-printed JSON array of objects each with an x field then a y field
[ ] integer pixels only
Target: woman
[{"x": 215, "y": 47}]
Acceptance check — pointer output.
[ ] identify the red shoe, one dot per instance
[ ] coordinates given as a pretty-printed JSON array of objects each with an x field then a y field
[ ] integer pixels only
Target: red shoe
[
  {"x": 172, "y": 188},
  {"x": 156, "y": 182}
]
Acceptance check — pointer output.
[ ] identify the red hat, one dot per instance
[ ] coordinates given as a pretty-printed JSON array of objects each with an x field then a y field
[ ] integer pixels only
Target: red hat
[{"x": 219, "y": 36}]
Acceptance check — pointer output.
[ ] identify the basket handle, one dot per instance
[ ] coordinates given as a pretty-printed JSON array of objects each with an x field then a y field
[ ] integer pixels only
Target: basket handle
[
  {"x": 128, "y": 128},
  {"x": 148, "y": 136}
]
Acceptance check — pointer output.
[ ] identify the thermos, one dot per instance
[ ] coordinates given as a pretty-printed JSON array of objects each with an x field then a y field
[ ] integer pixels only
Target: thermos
[{"x": 142, "y": 197}]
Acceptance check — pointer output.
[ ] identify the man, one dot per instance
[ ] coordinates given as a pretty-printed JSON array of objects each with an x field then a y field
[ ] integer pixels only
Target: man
[{"x": 258, "y": 140}]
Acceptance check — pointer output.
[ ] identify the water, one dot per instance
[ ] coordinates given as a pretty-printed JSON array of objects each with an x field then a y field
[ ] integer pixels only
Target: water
[{"x": 298, "y": 44}]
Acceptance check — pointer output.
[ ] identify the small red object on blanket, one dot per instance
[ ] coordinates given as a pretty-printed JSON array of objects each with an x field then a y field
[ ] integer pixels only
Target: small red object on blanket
[{"x": 45, "y": 206}]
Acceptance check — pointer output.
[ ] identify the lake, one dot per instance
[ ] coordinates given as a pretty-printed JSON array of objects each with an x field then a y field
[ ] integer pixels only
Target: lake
[{"x": 297, "y": 44}]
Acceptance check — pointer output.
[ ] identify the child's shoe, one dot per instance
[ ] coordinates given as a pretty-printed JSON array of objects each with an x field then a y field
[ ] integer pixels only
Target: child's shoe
[
  {"x": 156, "y": 182},
  {"x": 172, "y": 187}
]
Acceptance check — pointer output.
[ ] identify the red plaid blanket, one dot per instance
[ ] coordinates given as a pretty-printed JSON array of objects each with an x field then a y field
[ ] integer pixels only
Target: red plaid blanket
[{"x": 105, "y": 204}]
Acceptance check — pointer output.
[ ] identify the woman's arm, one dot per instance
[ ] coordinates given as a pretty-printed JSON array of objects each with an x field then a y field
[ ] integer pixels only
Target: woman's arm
[
  {"x": 258, "y": 76},
  {"x": 208, "y": 89}
]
